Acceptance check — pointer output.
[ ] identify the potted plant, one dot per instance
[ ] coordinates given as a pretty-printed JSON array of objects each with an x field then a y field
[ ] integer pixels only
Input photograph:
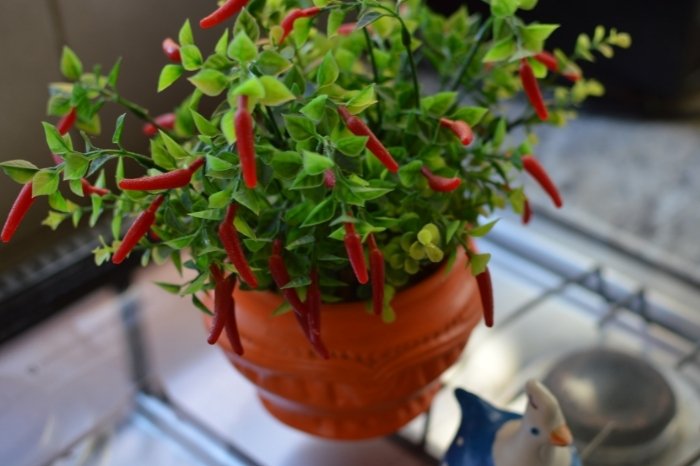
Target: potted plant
[{"x": 311, "y": 190}]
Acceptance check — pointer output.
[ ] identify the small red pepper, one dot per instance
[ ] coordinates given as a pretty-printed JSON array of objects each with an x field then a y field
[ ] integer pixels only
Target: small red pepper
[
  {"x": 232, "y": 244},
  {"x": 221, "y": 14},
  {"x": 527, "y": 212},
  {"x": 347, "y": 29},
  {"x": 67, "y": 121},
  {"x": 329, "y": 179},
  {"x": 165, "y": 121},
  {"x": 89, "y": 189},
  {"x": 483, "y": 280},
  {"x": 440, "y": 183},
  {"x": 220, "y": 304},
  {"x": 377, "y": 275},
  {"x": 170, "y": 180},
  {"x": 353, "y": 247},
  {"x": 246, "y": 142},
  {"x": 172, "y": 50},
  {"x": 17, "y": 212},
  {"x": 548, "y": 60},
  {"x": 572, "y": 76},
  {"x": 280, "y": 275},
  {"x": 460, "y": 129},
  {"x": 137, "y": 230},
  {"x": 537, "y": 171},
  {"x": 297, "y": 13},
  {"x": 359, "y": 128},
  {"x": 224, "y": 310},
  {"x": 313, "y": 303},
  {"x": 532, "y": 89}
]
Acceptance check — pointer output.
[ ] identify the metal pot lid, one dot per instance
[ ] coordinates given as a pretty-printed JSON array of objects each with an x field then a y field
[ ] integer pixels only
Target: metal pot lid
[{"x": 599, "y": 386}]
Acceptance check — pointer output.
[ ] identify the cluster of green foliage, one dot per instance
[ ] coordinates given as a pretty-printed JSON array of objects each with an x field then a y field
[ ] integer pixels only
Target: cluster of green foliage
[{"x": 295, "y": 89}]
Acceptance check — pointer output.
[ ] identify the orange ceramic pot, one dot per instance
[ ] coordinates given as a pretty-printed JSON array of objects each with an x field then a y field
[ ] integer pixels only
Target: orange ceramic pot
[{"x": 379, "y": 376}]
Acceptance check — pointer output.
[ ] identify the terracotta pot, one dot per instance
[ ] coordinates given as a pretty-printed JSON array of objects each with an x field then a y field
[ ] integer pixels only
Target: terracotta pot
[{"x": 379, "y": 376}]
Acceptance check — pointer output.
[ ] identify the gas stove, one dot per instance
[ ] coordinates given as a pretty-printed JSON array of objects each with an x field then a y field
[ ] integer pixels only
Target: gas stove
[{"x": 128, "y": 378}]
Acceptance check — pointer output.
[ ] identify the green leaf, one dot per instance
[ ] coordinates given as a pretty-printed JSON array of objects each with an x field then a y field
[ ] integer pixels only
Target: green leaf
[
  {"x": 59, "y": 203},
  {"x": 114, "y": 73},
  {"x": 203, "y": 125},
  {"x": 243, "y": 228},
  {"x": 56, "y": 143},
  {"x": 297, "y": 282},
  {"x": 218, "y": 164},
  {"x": 471, "y": 115},
  {"x": 173, "y": 148},
  {"x": 20, "y": 171},
  {"x": 191, "y": 57},
  {"x": 185, "y": 36},
  {"x": 409, "y": 173},
  {"x": 438, "y": 104},
  {"x": 315, "y": 164},
  {"x": 307, "y": 239},
  {"x": 528, "y": 4},
  {"x": 208, "y": 214},
  {"x": 242, "y": 49},
  {"x": 45, "y": 182},
  {"x": 246, "y": 24},
  {"x": 501, "y": 50},
  {"x": 365, "y": 98},
  {"x": 286, "y": 165},
  {"x": 210, "y": 82},
  {"x": 282, "y": 309},
  {"x": 503, "y": 8},
  {"x": 160, "y": 156},
  {"x": 71, "y": 66},
  {"x": 323, "y": 212},
  {"x": 368, "y": 18},
  {"x": 478, "y": 262},
  {"x": 118, "y": 129},
  {"x": 54, "y": 219},
  {"x": 314, "y": 110},
  {"x": 351, "y": 145},
  {"x": 328, "y": 72},
  {"x": 219, "y": 200},
  {"x": 335, "y": 20},
  {"x": 227, "y": 127},
  {"x": 222, "y": 43},
  {"x": 276, "y": 93},
  {"x": 168, "y": 76},
  {"x": 252, "y": 87},
  {"x": 198, "y": 304},
  {"x": 482, "y": 230},
  {"x": 272, "y": 63},
  {"x": 169, "y": 287},
  {"x": 58, "y": 105},
  {"x": 299, "y": 127},
  {"x": 248, "y": 198},
  {"x": 499, "y": 133},
  {"x": 76, "y": 166}
]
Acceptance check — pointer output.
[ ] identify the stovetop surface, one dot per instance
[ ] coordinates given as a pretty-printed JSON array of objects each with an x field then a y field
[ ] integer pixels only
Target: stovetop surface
[{"x": 551, "y": 299}]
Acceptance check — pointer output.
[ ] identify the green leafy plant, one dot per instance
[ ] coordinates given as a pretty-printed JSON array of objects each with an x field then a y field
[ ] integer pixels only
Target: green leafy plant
[{"x": 322, "y": 141}]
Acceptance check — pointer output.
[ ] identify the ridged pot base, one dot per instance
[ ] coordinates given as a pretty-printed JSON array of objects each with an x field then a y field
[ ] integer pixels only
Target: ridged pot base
[{"x": 379, "y": 376}]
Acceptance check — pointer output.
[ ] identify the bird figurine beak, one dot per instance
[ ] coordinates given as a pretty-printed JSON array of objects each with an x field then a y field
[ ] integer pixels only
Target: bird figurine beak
[{"x": 561, "y": 436}]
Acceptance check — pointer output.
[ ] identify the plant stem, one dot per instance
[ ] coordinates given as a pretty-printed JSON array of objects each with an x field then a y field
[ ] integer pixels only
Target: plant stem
[
  {"x": 273, "y": 123},
  {"x": 472, "y": 53},
  {"x": 142, "y": 159},
  {"x": 134, "y": 108},
  {"x": 406, "y": 39},
  {"x": 375, "y": 71}
]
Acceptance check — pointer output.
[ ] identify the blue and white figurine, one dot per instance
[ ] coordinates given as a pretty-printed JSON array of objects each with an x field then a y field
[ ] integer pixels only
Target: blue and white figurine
[{"x": 489, "y": 436}]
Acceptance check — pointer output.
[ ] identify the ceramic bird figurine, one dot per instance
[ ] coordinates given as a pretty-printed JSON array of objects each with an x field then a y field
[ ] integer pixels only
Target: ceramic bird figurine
[{"x": 489, "y": 436}]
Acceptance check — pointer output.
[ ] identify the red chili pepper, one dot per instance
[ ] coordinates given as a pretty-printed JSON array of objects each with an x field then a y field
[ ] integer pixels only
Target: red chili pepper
[
  {"x": 359, "y": 128},
  {"x": 224, "y": 310},
  {"x": 89, "y": 189},
  {"x": 67, "y": 121},
  {"x": 460, "y": 128},
  {"x": 221, "y": 14},
  {"x": 137, "y": 230},
  {"x": 329, "y": 179},
  {"x": 537, "y": 171},
  {"x": 165, "y": 121},
  {"x": 377, "y": 275},
  {"x": 172, "y": 50},
  {"x": 170, "y": 180},
  {"x": 440, "y": 183},
  {"x": 246, "y": 142},
  {"x": 483, "y": 280},
  {"x": 347, "y": 29},
  {"x": 280, "y": 275},
  {"x": 548, "y": 60},
  {"x": 230, "y": 324},
  {"x": 17, "y": 212},
  {"x": 288, "y": 21},
  {"x": 572, "y": 76},
  {"x": 313, "y": 302},
  {"x": 527, "y": 212},
  {"x": 532, "y": 89},
  {"x": 220, "y": 304},
  {"x": 232, "y": 244},
  {"x": 353, "y": 247}
]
